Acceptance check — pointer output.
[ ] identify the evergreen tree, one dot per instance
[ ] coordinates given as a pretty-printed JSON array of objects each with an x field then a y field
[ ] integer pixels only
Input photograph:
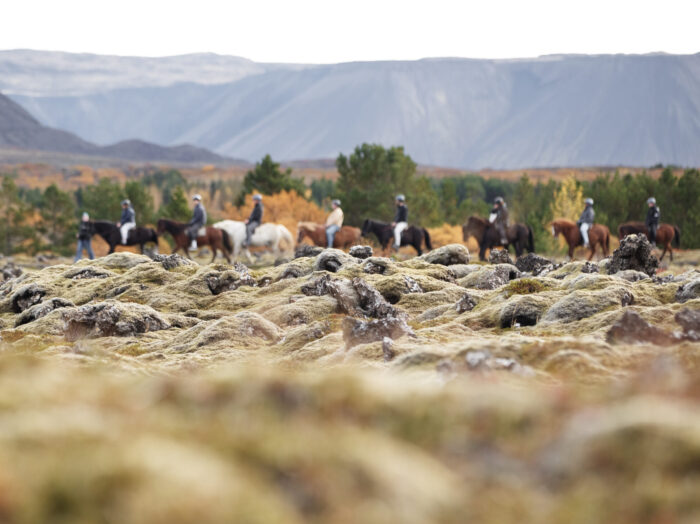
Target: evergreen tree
[
  {"x": 424, "y": 203},
  {"x": 141, "y": 200},
  {"x": 267, "y": 178},
  {"x": 102, "y": 200},
  {"x": 177, "y": 207},
  {"x": 568, "y": 200},
  {"x": 370, "y": 178},
  {"x": 448, "y": 201},
  {"x": 58, "y": 220},
  {"x": 13, "y": 215}
]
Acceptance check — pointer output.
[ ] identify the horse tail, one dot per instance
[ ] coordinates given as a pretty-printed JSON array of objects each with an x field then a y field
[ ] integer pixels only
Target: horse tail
[
  {"x": 676, "y": 236},
  {"x": 228, "y": 246},
  {"x": 426, "y": 235},
  {"x": 607, "y": 240},
  {"x": 620, "y": 232},
  {"x": 286, "y": 235},
  {"x": 530, "y": 240}
]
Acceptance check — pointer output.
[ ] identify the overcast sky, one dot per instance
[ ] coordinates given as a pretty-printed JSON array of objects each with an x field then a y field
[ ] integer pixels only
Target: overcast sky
[{"x": 326, "y": 31}]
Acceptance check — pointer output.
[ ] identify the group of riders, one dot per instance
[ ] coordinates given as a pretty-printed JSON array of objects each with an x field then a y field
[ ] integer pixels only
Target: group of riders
[{"x": 498, "y": 218}]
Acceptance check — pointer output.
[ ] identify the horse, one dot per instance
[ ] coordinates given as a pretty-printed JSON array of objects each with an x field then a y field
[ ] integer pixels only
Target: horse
[
  {"x": 519, "y": 235},
  {"x": 411, "y": 236},
  {"x": 346, "y": 237},
  {"x": 597, "y": 234},
  {"x": 268, "y": 235},
  {"x": 212, "y": 236},
  {"x": 665, "y": 234},
  {"x": 112, "y": 235}
]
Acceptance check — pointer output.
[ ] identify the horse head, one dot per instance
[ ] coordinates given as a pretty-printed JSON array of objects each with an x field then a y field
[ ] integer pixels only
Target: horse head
[
  {"x": 366, "y": 225},
  {"x": 301, "y": 232},
  {"x": 161, "y": 226},
  {"x": 474, "y": 227}
]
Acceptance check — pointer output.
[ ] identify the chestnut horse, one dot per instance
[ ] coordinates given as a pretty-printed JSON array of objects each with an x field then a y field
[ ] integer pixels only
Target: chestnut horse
[
  {"x": 597, "y": 234},
  {"x": 519, "y": 235},
  {"x": 213, "y": 236},
  {"x": 665, "y": 234},
  {"x": 346, "y": 237}
]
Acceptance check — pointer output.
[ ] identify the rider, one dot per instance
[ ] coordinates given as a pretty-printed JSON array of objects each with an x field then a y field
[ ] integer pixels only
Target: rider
[
  {"x": 334, "y": 222},
  {"x": 400, "y": 220},
  {"x": 199, "y": 218},
  {"x": 127, "y": 221},
  {"x": 254, "y": 220},
  {"x": 85, "y": 232},
  {"x": 586, "y": 221},
  {"x": 652, "y": 220},
  {"x": 499, "y": 218}
]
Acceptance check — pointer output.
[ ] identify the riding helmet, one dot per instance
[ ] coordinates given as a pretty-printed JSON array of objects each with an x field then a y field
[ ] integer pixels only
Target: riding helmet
[
  {"x": 336, "y": 202},
  {"x": 498, "y": 200},
  {"x": 257, "y": 197},
  {"x": 651, "y": 200},
  {"x": 197, "y": 197},
  {"x": 588, "y": 201},
  {"x": 400, "y": 198},
  {"x": 126, "y": 202}
]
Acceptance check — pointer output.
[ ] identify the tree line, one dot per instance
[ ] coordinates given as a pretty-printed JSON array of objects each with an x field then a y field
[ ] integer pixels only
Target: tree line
[{"x": 368, "y": 180}]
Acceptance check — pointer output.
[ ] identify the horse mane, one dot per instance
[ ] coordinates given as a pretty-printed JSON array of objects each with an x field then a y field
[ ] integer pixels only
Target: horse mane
[
  {"x": 307, "y": 224},
  {"x": 563, "y": 222},
  {"x": 477, "y": 219}
]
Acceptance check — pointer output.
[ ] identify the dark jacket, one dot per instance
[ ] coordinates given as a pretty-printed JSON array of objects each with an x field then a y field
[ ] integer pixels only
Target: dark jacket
[
  {"x": 653, "y": 217},
  {"x": 199, "y": 216},
  {"x": 128, "y": 215},
  {"x": 501, "y": 214},
  {"x": 85, "y": 230},
  {"x": 257, "y": 213},
  {"x": 587, "y": 217},
  {"x": 401, "y": 214}
]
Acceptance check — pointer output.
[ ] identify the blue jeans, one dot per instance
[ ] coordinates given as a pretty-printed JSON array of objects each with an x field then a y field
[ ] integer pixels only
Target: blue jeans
[
  {"x": 87, "y": 246},
  {"x": 330, "y": 234}
]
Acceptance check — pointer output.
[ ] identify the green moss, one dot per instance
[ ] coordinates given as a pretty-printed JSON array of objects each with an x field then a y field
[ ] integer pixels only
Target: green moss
[{"x": 524, "y": 286}]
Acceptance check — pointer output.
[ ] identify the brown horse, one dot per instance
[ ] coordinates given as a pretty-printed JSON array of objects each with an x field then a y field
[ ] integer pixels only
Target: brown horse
[
  {"x": 665, "y": 234},
  {"x": 519, "y": 235},
  {"x": 346, "y": 237},
  {"x": 597, "y": 234},
  {"x": 213, "y": 236}
]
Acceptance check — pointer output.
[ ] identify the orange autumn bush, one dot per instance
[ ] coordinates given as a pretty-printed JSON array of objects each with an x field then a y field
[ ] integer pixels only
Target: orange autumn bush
[{"x": 286, "y": 208}]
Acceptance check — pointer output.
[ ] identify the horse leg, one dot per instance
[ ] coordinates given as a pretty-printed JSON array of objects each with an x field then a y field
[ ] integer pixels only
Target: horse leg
[
  {"x": 590, "y": 257},
  {"x": 213, "y": 256},
  {"x": 142, "y": 246},
  {"x": 664, "y": 252}
]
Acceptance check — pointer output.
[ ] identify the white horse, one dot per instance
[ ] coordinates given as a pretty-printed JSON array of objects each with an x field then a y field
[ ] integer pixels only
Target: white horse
[{"x": 268, "y": 235}]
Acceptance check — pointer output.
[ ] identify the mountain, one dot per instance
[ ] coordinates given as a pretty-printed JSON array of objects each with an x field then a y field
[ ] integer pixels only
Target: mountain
[
  {"x": 561, "y": 110},
  {"x": 19, "y": 130}
]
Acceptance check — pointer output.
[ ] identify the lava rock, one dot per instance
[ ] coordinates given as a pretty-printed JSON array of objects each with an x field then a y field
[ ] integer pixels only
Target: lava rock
[
  {"x": 376, "y": 265},
  {"x": 356, "y": 331},
  {"x": 305, "y": 250},
  {"x": 630, "y": 275},
  {"x": 388, "y": 349},
  {"x": 534, "y": 263},
  {"x": 41, "y": 310},
  {"x": 229, "y": 280},
  {"x": 171, "y": 261},
  {"x": 688, "y": 291},
  {"x": 499, "y": 256},
  {"x": 590, "y": 268},
  {"x": 332, "y": 260},
  {"x": 87, "y": 272},
  {"x": 10, "y": 270},
  {"x": 689, "y": 319},
  {"x": 635, "y": 252},
  {"x": 361, "y": 252},
  {"x": 106, "y": 319},
  {"x": 316, "y": 288},
  {"x": 448, "y": 255},
  {"x": 412, "y": 286},
  {"x": 25, "y": 297},
  {"x": 631, "y": 328},
  {"x": 466, "y": 303}
]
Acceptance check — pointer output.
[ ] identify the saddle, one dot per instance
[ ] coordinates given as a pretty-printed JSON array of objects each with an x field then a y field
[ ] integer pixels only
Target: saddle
[{"x": 202, "y": 231}]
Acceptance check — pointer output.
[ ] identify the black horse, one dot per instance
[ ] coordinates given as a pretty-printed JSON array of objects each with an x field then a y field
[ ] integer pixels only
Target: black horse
[
  {"x": 411, "y": 236},
  {"x": 138, "y": 235},
  {"x": 519, "y": 235}
]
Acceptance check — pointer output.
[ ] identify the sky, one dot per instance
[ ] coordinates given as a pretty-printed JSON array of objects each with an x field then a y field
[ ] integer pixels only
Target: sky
[{"x": 329, "y": 31}]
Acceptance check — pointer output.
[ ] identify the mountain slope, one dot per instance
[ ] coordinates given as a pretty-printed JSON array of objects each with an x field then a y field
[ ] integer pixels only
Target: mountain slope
[
  {"x": 18, "y": 129},
  {"x": 548, "y": 111}
]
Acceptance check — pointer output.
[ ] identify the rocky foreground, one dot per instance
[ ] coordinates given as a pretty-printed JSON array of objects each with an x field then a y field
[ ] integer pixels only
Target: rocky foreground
[{"x": 346, "y": 387}]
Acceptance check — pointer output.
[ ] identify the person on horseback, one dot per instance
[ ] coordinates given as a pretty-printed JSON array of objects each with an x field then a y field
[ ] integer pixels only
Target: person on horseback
[
  {"x": 400, "y": 220},
  {"x": 254, "y": 220},
  {"x": 127, "y": 222},
  {"x": 586, "y": 221},
  {"x": 85, "y": 232},
  {"x": 652, "y": 220},
  {"x": 499, "y": 218},
  {"x": 199, "y": 219},
  {"x": 334, "y": 222}
]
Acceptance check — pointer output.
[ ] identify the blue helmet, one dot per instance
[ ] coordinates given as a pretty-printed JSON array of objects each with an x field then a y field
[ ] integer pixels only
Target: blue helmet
[
  {"x": 126, "y": 202},
  {"x": 257, "y": 197}
]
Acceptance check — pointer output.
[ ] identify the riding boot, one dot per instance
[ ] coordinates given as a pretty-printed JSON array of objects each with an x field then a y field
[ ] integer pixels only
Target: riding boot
[{"x": 193, "y": 245}]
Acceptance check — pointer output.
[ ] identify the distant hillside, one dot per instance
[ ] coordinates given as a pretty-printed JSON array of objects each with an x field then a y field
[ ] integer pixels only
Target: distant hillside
[
  {"x": 18, "y": 129},
  {"x": 543, "y": 112}
]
